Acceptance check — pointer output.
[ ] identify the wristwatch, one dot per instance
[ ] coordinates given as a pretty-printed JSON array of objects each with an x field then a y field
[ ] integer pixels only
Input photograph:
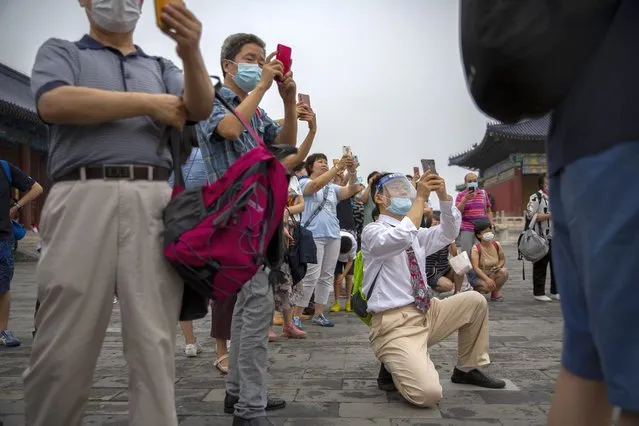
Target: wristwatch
[{"x": 17, "y": 205}]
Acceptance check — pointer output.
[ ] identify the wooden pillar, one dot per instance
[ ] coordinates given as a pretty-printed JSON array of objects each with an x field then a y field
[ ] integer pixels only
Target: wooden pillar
[{"x": 26, "y": 214}]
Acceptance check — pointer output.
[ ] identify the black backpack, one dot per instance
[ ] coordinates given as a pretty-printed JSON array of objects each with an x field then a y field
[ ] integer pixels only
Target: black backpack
[{"x": 521, "y": 57}]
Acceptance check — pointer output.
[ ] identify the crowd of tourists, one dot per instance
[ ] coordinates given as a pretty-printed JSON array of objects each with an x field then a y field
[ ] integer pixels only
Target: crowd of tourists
[{"x": 107, "y": 104}]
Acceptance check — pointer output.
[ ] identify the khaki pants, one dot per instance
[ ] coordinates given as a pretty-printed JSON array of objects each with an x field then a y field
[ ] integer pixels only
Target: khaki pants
[
  {"x": 400, "y": 338},
  {"x": 102, "y": 238}
]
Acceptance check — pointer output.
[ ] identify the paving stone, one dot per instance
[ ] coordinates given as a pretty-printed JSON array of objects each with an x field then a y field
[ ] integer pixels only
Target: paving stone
[
  {"x": 329, "y": 378},
  {"x": 337, "y": 422},
  {"x": 314, "y": 395},
  {"x": 389, "y": 410},
  {"x": 490, "y": 411},
  {"x": 446, "y": 422}
]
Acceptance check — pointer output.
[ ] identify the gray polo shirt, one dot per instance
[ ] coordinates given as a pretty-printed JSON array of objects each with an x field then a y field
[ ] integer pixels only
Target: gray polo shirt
[{"x": 88, "y": 63}]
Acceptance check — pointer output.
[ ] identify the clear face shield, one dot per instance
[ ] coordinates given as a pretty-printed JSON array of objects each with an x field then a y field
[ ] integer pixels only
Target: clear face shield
[{"x": 397, "y": 192}]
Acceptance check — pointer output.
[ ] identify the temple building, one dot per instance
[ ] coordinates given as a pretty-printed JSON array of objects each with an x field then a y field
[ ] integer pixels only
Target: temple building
[
  {"x": 23, "y": 137},
  {"x": 508, "y": 160}
]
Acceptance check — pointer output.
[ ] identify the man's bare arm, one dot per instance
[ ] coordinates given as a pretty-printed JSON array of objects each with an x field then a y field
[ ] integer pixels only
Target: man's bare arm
[
  {"x": 198, "y": 88},
  {"x": 87, "y": 106},
  {"x": 230, "y": 128}
]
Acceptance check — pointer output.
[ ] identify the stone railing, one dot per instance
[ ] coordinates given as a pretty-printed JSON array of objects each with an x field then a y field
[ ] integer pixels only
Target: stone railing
[{"x": 508, "y": 228}]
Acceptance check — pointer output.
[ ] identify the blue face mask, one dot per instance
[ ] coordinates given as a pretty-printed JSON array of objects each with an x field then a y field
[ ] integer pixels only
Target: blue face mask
[
  {"x": 472, "y": 185},
  {"x": 400, "y": 205},
  {"x": 247, "y": 76}
]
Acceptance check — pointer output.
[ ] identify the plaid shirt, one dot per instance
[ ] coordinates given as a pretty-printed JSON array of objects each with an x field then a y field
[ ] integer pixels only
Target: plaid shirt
[{"x": 219, "y": 153}]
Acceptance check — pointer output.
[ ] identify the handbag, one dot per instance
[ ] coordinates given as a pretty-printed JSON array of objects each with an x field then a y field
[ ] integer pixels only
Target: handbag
[
  {"x": 359, "y": 303},
  {"x": 302, "y": 252},
  {"x": 532, "y": 246},
  {"x": 461, "y": 263}
]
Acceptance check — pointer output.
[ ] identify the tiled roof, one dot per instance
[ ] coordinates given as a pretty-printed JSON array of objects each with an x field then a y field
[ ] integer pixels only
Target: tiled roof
[
  {"x": 531, "y": 128},
  {"x": 16, "y": 99},
  {"x": 502, "y": 139}
]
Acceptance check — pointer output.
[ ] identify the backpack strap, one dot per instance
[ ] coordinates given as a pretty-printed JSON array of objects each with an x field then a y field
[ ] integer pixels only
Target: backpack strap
[
  {"x": 369, "y": 293},
  {"x": 7, "y": 171},
  {"x": 319, "y": 208}
]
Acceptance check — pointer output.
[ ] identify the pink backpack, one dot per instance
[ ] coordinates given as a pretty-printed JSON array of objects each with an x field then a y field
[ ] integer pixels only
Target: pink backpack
[{"x": 219, "y": 235}]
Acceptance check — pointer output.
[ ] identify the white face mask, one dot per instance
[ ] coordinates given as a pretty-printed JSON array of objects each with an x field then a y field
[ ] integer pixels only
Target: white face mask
[
  {"x": 116, "y": 16},
  {"x": 488, "y": 237}
]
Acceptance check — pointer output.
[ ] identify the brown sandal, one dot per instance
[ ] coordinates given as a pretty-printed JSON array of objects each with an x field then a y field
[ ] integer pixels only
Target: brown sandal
[{"x": 218, "y": 364}]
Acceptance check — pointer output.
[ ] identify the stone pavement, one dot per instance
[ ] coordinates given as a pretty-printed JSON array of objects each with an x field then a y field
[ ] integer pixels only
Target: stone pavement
[{"x": 328, "y": 379}]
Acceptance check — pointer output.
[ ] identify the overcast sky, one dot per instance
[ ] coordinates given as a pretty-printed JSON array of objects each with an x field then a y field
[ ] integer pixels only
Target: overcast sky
[{"x": 384, "y": 76}]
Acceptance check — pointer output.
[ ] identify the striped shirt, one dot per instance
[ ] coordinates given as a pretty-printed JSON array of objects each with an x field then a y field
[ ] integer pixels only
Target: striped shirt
[
  {"x": 219, "y": 153},
  {"x": 436, "y": 266},
  {"x": 88, "y": 63},
  {"x": 193, "y": 171},
  {"x": 475, "y": 208},
  {"x": 539, "y": 203}
]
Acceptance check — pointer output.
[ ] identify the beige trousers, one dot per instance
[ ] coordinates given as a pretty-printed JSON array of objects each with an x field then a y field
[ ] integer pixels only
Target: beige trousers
[
  {"x": 400, "y": 338},
  {"x": 102, "y": 238}
]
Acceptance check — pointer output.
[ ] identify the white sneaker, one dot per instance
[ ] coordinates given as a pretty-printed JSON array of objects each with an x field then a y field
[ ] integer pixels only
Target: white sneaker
[
  {"x": 555, "y": 296},
  {"x": 192, "y": 350},
  {"x": 543, "y": 298}
]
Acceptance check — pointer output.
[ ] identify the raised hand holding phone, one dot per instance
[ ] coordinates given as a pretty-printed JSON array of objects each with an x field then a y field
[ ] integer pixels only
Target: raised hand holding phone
[
  {"x": 304, "y": 99},
  {"x": 429, "y": 165},
  {"x": 271, "y": 69},
  {"x": 179, "y": 23},
  {"x": 285, "y": 82},
  {"x": 283, "y": 54}
]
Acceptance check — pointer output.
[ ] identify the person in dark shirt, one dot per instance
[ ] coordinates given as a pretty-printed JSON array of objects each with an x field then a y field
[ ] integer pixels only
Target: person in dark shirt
[
  {"x": 593, "y": 147},
  {"x": 12, "y": 177}
]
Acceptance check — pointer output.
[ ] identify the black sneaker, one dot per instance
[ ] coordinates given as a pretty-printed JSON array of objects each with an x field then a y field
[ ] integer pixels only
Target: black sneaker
[
  {"x": 385, "y": 380},
  {"x": 271, "y": 404},
  {"x": 476, "y": 378}
]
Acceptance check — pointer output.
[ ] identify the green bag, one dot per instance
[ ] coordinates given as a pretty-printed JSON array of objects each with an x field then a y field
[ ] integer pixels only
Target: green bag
[{"x": 359, "y": 301}]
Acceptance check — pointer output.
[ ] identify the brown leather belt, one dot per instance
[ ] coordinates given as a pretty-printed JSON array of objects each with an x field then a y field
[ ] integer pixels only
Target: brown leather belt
[{"x": 117, "y": 172}]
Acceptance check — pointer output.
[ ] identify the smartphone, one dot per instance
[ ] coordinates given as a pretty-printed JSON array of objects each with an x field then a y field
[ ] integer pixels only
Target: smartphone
[
  {"x": 305, "y": 99},
  {"x": 284, "y": 56},
  {"x": 415, "y": 171},
  {"x": 159, "y": 5},
  {"x": 346, "y": 150},
  {"x": 429, "y": 165},
  {"x": 355, "y": 159}
]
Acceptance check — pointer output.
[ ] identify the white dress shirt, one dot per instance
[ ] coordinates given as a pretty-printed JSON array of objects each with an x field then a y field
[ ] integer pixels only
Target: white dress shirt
[{"x": 384, "y": 245}]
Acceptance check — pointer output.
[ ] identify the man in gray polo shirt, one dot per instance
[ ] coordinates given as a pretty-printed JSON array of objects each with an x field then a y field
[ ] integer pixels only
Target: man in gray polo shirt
[{"x": 108, "y": 105}]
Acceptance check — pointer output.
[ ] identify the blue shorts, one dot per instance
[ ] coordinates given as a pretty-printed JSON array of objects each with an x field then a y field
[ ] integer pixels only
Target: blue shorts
[
  {"x": 6, "y": 265},
  {"x": 595, "y": 252}
]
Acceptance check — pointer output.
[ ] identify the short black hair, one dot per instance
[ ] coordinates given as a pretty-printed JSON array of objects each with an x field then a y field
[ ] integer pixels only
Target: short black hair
[
  {"x": 346, "y": 245},
  {"x": 371, "y": 175},
  {"x": 540, "y": 181},
  {"x": 480, "y": 226},
  {"x": 298, "y": 167},
  {"x": 437, "y": 215},
  {"x": 311, "y": 159},
  {"x": 233, "y": 45},
  {"x": 374, "y": 187}
]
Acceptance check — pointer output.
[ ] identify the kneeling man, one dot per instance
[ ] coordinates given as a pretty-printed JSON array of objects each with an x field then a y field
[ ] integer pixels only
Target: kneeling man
[{"x": 405, "y": 318}]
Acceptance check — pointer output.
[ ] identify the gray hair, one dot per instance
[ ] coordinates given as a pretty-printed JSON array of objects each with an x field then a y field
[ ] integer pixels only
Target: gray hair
[{"x": 233, "y": 45}]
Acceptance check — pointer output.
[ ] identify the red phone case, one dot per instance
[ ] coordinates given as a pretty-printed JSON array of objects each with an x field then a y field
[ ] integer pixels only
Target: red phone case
[{"x": 284, "y": 56}]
